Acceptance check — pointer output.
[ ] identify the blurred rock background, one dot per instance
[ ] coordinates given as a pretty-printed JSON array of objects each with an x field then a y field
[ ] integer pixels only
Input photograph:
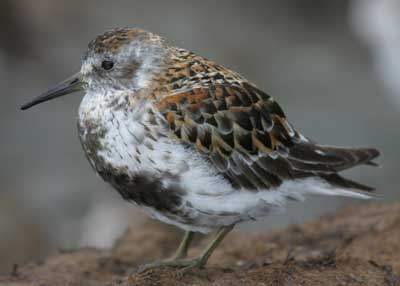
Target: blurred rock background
[{"x": 330, "y": 64}]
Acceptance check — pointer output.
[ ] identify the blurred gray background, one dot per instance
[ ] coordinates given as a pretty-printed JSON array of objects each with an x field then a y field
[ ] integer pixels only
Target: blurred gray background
[{"x": 332, "y": 65}]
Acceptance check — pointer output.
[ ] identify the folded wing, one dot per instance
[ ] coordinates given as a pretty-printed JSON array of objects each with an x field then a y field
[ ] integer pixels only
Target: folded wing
[{"x": 246, "y": 135}]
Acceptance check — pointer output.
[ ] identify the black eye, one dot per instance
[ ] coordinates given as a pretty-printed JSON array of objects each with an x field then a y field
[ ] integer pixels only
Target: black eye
[{"x": 107, "y": 65}]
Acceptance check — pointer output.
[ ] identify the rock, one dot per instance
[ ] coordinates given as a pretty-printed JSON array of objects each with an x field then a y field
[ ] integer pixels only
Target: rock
[{"x": 358, "y": 246}]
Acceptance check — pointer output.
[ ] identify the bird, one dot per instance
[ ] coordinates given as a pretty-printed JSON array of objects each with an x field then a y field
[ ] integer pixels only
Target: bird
[{"x": 193, "y": 143}]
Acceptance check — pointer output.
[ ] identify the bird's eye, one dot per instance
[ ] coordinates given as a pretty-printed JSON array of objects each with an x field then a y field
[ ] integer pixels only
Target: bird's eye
[{"x": 107, "y": 65}]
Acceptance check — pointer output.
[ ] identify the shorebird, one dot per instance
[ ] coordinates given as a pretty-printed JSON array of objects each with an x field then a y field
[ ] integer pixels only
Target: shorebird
[{"x": 192, "y": 143}]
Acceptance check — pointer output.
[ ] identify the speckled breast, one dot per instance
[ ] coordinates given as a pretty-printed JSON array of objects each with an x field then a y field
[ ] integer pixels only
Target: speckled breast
[{"x": 128, "y": 148}]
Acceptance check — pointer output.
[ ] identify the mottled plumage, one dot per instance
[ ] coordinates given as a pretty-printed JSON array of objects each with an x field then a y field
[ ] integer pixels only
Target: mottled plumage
[
  {"x": 193, "y": 143},
  {"x": 168, "y": 128}
]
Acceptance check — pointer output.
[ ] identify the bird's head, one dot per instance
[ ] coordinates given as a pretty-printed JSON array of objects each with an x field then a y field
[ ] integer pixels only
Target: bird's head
[{"x": 120, "y": 59}]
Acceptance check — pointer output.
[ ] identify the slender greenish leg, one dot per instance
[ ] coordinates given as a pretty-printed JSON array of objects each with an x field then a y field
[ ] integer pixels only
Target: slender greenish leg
[
  {"x": 177, "y": 259},
  {"x": 183, "y": 248},
  {"x": 189, "y": 264},
  {"x": 201, "y": 260}
]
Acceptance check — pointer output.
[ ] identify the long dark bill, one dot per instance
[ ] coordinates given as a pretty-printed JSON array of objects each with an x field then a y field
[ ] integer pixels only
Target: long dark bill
[{"x": 70, "y": 85}]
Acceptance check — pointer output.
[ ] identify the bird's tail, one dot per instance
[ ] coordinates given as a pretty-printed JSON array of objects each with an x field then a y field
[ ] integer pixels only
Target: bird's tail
[{"x": 327, "y": 161}]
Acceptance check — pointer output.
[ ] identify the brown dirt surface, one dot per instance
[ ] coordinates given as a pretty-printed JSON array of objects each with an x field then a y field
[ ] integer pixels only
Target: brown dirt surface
[{"x": 358, "y": 246}]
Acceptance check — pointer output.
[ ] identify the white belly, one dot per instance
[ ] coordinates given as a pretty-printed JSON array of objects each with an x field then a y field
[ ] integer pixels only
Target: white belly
[{"x": 117, "y": 143}]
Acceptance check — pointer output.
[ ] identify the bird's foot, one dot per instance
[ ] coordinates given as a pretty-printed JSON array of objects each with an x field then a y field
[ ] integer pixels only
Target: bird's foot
[
  {"x": 162, "y": 263},
  {"x": 198, "y": 263},
  {"x": 185, "y": 265}
]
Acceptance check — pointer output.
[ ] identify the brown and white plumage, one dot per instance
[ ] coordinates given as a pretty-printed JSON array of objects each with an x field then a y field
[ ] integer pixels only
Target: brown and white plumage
[
  {"x": 193, "y": 143},
  {"x": 244, "y": 132},
  {"x": 237, "y": 135}
]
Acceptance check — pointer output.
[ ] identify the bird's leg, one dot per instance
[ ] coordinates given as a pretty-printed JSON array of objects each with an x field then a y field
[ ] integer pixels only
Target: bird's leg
[
  {"x": 182, "y": 250},
  {"x": 188, "y": 264},
  {"x": 202, "y": 259},
  {"x": 177, "y": 259}
]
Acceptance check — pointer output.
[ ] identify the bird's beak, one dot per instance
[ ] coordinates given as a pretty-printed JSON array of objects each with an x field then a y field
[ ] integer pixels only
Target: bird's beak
[{"x": 70, "y": 85}]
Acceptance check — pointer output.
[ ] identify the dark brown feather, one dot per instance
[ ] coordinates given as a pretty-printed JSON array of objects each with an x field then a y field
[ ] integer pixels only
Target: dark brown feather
[{"x": 244, "y": 132}]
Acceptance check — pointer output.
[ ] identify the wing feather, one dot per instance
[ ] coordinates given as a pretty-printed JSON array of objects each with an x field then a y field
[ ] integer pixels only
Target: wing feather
[
  {"x": 246, "y": 135},
  {"x": 237, "y": 128}
]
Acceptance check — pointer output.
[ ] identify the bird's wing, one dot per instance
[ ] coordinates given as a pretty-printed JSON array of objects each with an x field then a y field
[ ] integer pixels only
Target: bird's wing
[{"x": 245, "y": 134}]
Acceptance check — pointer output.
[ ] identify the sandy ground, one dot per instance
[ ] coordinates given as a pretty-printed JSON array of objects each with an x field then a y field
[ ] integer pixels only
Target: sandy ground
[{"x": 358, "y": 246}]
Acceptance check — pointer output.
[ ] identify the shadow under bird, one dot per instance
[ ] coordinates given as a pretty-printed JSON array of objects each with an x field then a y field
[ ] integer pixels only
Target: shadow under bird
[{"x": 193, "y": 143}]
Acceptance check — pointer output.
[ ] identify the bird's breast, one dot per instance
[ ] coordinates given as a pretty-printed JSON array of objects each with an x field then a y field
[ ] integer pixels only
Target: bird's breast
[{"x": 130, "y": 148}]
